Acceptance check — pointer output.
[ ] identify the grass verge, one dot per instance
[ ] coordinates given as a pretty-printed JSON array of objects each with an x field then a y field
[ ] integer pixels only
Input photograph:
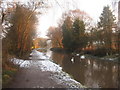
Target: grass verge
[{"x": 8, "y": 73}]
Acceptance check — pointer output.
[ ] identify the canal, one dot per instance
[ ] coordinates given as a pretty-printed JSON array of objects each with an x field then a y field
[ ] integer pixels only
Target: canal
[{"x": 91, "y": 72}]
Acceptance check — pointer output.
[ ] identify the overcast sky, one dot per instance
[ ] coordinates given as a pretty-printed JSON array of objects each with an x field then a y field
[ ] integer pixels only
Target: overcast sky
[
  {"x": 53, "y": 14},
  {"x": 51, "y": 18}
]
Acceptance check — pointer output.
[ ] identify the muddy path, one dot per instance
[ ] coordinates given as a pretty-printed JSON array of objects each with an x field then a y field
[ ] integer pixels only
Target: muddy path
[
  {"x": 40, "y": 72},
  {"x": 34, "y": 78}
]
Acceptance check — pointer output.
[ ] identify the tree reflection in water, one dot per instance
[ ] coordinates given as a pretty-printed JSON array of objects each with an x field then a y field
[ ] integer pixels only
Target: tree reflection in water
[{"x": 89, "y": 72}]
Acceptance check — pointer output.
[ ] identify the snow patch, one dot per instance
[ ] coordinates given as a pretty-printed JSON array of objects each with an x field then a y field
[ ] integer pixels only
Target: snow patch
[
  {"x": 50, "y": 66},
  {"x": 37, "y": 55},
  {"x": 46, "y": 65},
  {"x": 58, "y": 75}
]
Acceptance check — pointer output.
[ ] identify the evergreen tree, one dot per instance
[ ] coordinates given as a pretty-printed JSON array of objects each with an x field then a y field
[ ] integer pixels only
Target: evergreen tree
[
  {"x": 106, "y": 24},
  {"x": 79, "y": 37},
  {"x": 67, "y": 34},
  {"x": 74, "y": 34}
]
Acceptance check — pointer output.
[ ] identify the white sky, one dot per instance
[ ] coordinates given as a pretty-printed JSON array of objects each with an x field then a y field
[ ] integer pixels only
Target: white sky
[{"x": 51, "y": 18}]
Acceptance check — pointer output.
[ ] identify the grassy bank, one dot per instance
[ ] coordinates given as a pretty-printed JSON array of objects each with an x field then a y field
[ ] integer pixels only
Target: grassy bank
[
  {"x": 7, "y": 73},
  {"x": 8, "y": 69},
  {"x": 7, "y": 76}
]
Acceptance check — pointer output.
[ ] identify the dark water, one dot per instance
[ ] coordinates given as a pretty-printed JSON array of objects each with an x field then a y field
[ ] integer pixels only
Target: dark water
[{"x": 89, "y": 71}]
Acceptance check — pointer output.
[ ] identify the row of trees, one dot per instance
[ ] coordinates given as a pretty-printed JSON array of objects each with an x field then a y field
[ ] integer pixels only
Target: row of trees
[
  {"x": 76, "y": 32},
  {"x": 17, "y": 31},
  {"x": 23, "y": 20},
  {"x": 19, "y": 28}
]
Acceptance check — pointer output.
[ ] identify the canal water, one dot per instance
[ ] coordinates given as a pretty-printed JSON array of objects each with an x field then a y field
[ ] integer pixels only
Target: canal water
[{"x": 91, "y": 72}]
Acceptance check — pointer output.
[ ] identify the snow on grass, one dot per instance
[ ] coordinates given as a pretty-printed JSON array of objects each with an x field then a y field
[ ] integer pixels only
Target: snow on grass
[
  {"x": 37, "y": 55},
  {"x": 17, "y": 61},
  {"x": 21, "y": 63},
  {"x": 65, "y": 79},
  {"x": 59, "y": 75},
  {"x": 50, "y": 66}
]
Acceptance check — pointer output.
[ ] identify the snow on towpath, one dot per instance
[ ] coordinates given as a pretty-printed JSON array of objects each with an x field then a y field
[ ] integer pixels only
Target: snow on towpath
[{"x": 40, "y": 72}]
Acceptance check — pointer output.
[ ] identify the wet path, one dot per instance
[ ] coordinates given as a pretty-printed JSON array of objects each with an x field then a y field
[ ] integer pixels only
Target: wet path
[
  {"x": 33, "y": 78},
  {"x": 30, "y": 76},
  {"x": 39, "y": 72}
]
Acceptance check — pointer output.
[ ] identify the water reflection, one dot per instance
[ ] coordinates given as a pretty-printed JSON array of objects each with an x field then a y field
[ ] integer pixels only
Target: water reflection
[{"x": 89, "y": 72}]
